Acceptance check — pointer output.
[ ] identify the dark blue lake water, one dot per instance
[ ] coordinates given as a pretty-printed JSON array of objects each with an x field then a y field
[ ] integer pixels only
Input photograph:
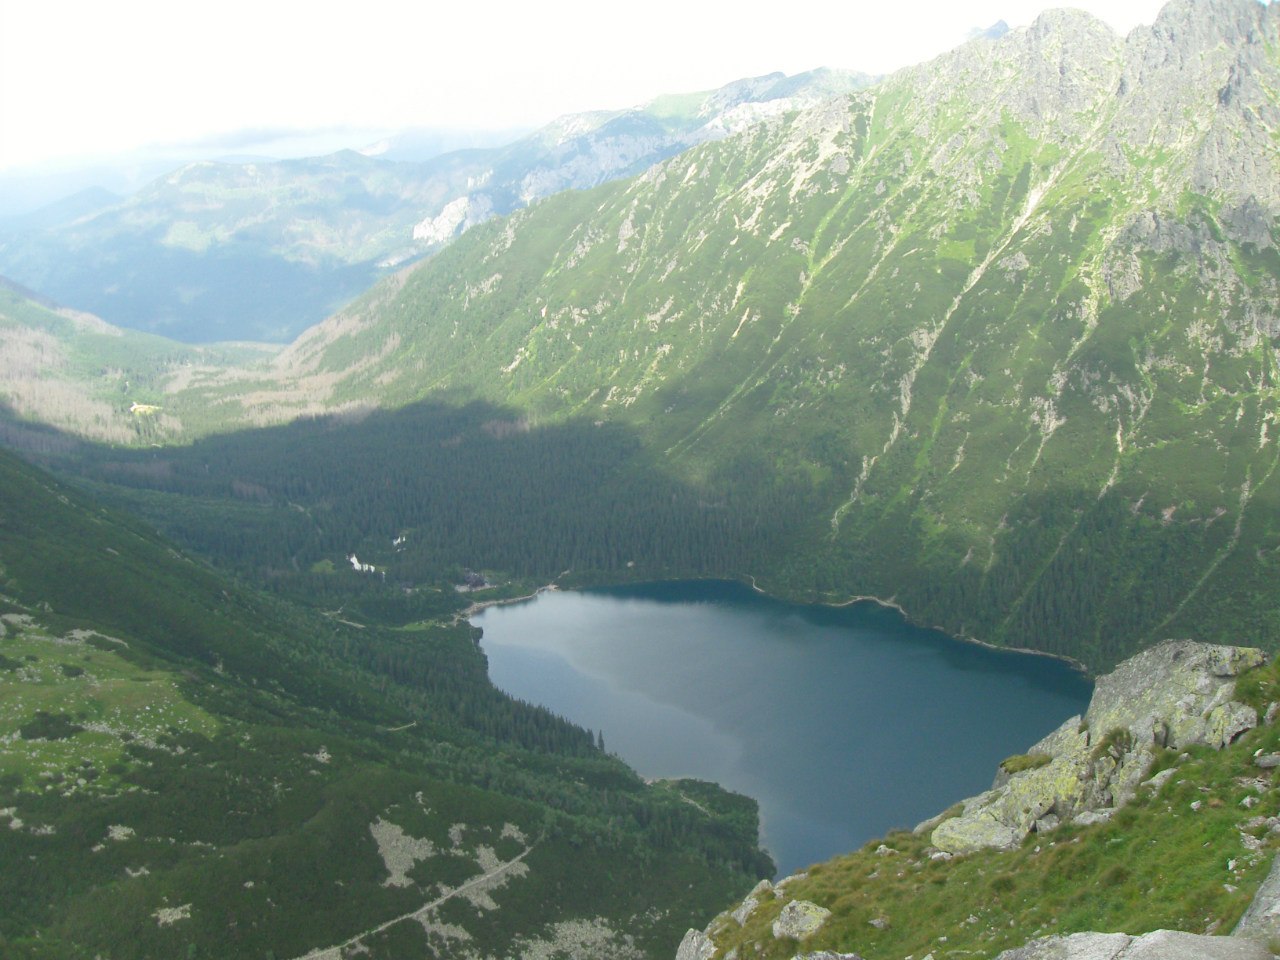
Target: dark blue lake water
[{"x": 843, "y": 723}]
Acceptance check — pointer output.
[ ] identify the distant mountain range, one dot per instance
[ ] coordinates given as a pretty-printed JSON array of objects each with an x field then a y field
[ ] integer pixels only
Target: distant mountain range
[
  {"x": 261, "y": 250},
  {"x": 26, "y": 190}
]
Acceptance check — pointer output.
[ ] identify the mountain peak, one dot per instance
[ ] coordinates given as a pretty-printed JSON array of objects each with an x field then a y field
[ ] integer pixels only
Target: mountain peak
[
  {"x": 1058, "y": 19},
  {"x": 1203, "y": 68},
  {"x": 1229, "y": 20},
  {"x": 993, "y": 32},
  {"x": 1048, "y": 76},
  {"x": 1186, "y": 29}
]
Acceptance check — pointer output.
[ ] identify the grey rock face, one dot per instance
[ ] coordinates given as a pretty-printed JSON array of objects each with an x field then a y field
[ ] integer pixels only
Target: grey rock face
[
  {"x": 1160, "y": 945},
  {"x": 696, "y": 945},
  {"x": 1262, "y": 920},
  {"x": 1200, "y": 67},
  {"x": 1090, "y": 817},
  {"x": 1175, "y": 945},
  {"x": 1050, "y": 77},
  {"x": 1078, "y": 946},
  {"x": 748, "y": 906},
  {"x": 1175, "y": 694},
  {"x": 1178, "y": 692}
]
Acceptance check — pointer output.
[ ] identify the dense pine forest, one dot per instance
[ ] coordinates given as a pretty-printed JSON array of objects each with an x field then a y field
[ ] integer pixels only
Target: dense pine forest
[{"x": 427, "y": 491}]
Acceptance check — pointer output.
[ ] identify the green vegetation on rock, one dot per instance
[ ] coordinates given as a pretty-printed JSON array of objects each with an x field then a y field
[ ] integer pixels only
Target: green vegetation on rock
[{"x": 1021, "y": 762}]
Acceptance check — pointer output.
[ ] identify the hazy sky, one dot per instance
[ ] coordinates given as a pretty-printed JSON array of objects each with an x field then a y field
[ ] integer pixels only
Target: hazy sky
[{"x": 90, "y": 77}]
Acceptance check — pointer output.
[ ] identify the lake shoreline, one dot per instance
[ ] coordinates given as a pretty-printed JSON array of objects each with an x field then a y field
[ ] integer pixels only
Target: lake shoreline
[
  {"x": 962, "y": 638},
  {"x": 479, "y": 605},
  {"x": 750, "y": 581}
]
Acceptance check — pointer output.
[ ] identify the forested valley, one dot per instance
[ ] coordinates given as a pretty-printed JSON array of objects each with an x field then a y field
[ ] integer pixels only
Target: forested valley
[
  {"x": 424, "y": 493},
  {"x": 234, "y": 747}
]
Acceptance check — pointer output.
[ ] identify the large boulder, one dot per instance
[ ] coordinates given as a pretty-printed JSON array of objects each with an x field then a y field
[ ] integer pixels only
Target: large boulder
[
  {"x": 1160, "y": 945},
  {"x": 696, "y": 945},
  {"x": 1174, "y": 695},
  {"x": 799, "y": 919}
]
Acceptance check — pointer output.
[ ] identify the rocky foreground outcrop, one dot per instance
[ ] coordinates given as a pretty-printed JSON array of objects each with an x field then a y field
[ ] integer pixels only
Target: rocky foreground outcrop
[
  {"x": 1159, "y": 945},
  {"x": 1175, "y": 695}
]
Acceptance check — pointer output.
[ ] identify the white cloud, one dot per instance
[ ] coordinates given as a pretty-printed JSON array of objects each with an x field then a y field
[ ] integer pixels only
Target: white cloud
[{"x": 84, "y": 77}]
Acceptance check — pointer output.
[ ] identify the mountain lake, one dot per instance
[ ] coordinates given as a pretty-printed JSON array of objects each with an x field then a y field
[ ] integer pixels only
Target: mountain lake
[{"x": 842, "y": 722}]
